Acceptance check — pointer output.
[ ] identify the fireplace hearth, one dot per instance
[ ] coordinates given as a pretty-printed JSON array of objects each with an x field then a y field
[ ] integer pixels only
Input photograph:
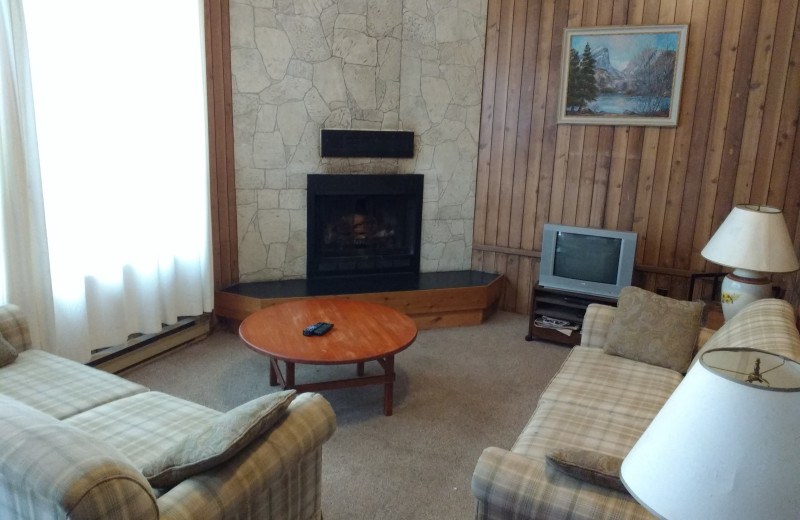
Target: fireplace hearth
[{"x": 363, "y": 224}]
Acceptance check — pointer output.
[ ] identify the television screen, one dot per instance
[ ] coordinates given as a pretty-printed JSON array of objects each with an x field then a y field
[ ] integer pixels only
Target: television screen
[
  {"x": 586, "y": 260},
  {"x": 587, "y": 257}
]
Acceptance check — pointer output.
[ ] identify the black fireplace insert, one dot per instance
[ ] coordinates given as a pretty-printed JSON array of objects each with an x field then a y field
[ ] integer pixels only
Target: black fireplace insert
[{"x": 363, "y": 224}]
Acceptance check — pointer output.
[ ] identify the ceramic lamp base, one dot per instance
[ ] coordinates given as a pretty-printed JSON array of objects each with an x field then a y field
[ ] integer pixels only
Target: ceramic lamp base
[{"x": 742, "y": 287}]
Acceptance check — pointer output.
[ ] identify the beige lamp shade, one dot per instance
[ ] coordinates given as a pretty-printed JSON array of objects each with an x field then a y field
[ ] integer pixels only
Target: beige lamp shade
[
  {"x": 755, "y": 238},
  {"x": 726, "y": 444}
]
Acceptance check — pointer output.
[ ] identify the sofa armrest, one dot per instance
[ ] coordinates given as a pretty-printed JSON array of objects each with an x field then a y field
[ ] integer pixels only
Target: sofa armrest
[
  {"x": 49, "y": 469},
  {"x": 14, "y": 327},
  {"x": 277, "y": 476},
  {"x": 510, "y": 485},
  {"x": 596, "y": 323}
]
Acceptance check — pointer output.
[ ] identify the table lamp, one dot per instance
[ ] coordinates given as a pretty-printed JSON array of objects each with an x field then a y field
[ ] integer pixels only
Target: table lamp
[
  {"x": 726, "y": 445},
  {"x": 753, "y": 240}
]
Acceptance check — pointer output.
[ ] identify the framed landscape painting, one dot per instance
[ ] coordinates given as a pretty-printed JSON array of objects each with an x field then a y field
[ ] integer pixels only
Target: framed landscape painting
[{"x": 622, "y": 75}]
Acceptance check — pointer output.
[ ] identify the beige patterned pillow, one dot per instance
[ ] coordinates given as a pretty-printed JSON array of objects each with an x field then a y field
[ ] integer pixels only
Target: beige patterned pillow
[
  {"x": 8, "y": 354},
  {"x": 589, "y": 466},
  {"x": 654, "y": 329},
  {"x": 224, "y": 437}
]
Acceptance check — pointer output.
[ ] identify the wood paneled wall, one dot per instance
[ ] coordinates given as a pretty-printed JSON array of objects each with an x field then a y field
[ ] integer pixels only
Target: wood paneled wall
[
  {"x": 737, "y": 137},
  {"x": 224, "y": 239}
]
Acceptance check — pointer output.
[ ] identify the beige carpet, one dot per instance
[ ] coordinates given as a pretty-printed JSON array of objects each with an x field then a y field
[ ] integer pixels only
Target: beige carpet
[{"x": 458, "y": 391}]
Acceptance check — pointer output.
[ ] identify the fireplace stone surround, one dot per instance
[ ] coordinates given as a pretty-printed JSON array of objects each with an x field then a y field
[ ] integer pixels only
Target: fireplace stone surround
[{"x": 301, "y": 67}]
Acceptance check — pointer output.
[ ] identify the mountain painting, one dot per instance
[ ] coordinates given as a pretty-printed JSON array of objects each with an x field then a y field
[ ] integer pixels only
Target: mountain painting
[{"x": 622, "y": 75}]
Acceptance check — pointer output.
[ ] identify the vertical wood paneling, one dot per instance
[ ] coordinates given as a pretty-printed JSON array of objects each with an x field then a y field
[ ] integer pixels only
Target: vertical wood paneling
[
  {"x": 550, "y": 130},
  {"x": 754, "y": 114},
  {"x": 737, "y": 137},
  {"x": 734, "y": 129},
  {"x": 666, "y": 146},
  {"x": 538, "y": 115},
  {"x": 772, "y": 111},
  {"x": 524, "y": 129},
  {"x": 780, "y": 189},
  {"x": 501, "y": 95},
  {"x": 714, "y": 20},
  {"x": 719, "y": 121},
  {"x": 512, "y": 119},
  {"x": 675, "y": 217},
  {"x": 647, "y": 167},
  {"x": 792, "y": 205},
  {"x": 619, "y": 152},
  {"x": 224, "y": 236},
  {"x": 586, "y": 182},
  {"x": 487, "y": 118},
  {"x": 569, "y": 148}
]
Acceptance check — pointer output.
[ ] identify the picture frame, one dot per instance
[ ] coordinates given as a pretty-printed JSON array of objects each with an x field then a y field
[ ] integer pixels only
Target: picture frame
[{"x": 622, "y": 75}]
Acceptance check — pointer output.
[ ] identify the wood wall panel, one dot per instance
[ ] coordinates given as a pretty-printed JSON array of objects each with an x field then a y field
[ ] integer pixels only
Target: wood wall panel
[
  {"x": 737, "y": 137},
  {"x": 224, "y": 236}
]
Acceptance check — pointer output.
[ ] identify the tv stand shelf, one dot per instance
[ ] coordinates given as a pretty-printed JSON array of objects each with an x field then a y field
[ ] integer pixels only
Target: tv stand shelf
[{"x": 562, "y": 305}]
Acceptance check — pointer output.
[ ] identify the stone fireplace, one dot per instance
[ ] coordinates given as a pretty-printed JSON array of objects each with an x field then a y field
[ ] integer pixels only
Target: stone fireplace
[
  {"x": 363, "y": 224},
  {"x": 303, "y": 66}
]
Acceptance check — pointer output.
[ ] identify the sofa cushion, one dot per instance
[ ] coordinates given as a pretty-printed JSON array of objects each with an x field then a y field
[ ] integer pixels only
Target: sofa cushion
[
  {"x": 169, "y": 438},
  {"x": 596, "y": 402},
  {"x": 50, "y": 467},
  {"x": 8, "y": 354},
  {"x": 654, "y": 329},
  {"x": 61, "y": 387},
  {"x": 611, "y": 384},
  {"x": 220, "y": 440},
  {"x": 144, "y": 426},
  {"x": 589, "y": 466}
]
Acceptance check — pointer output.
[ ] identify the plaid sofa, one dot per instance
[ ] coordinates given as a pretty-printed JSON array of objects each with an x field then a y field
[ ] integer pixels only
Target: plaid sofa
[
  {"x": 603, "y": 403},
  {"x": 73, "y": 438}
]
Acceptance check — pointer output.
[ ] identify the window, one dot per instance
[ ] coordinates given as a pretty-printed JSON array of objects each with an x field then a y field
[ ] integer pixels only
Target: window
[{"x": 119, "y": 94}]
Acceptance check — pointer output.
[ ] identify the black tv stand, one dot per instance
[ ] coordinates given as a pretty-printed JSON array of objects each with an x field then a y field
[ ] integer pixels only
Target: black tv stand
[{"x": 560, "y": 305}]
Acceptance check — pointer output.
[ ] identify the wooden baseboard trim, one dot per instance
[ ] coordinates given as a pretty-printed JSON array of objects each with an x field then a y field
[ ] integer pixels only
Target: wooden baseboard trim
[{"x": 432, "y": 308}]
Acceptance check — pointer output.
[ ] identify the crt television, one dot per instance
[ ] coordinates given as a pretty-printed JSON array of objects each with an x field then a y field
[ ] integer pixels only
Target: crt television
[{"x": 587, "y": 260}]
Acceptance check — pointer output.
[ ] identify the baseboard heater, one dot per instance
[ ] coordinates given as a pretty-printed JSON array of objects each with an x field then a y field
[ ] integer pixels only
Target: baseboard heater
[{"x": 143, "y": 347}]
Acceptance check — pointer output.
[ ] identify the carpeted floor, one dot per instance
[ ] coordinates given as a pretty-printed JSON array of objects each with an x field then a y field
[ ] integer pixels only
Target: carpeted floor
[{"x": 458, "y": 391}]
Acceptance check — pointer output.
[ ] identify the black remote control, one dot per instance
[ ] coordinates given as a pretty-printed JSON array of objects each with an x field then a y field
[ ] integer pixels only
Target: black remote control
[
  {"x": 322, "y": 328},
  {"x": 309, "y": 331},
  {"x": 317, "y": 329}
]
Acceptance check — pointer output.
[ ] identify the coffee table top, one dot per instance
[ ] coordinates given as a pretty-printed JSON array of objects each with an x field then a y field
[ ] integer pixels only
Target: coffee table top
[{"x": 361, "y": 331}]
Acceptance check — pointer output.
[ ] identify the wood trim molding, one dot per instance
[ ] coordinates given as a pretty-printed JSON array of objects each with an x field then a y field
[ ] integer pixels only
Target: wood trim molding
[
  {"x": 506, "y": 250},
  {"x": 683, "y": 273},
  {"x": 224, "y": 235}
]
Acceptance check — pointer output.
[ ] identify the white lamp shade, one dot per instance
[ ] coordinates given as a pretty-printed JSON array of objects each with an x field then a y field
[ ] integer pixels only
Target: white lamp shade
[
  {"x": 721, "y": 448},
  {"x": 754, "y": 238}
]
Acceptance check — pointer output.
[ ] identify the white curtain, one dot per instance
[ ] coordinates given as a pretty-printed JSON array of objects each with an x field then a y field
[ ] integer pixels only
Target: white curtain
[
  {"x": 24, "y": 263},
  {"x": 119, "y": 89}
]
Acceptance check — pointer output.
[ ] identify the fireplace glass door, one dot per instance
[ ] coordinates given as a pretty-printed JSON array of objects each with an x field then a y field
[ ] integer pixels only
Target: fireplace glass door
[{"x": 375, "y": 228}]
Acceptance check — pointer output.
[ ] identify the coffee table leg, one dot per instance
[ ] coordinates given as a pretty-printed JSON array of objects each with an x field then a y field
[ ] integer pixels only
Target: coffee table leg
[
  {"x": 360, "y": 368},
  {"x": 273, "y": 375},
  {"x": 289, "y": 375},
  {"x": 388, "y": 387}
]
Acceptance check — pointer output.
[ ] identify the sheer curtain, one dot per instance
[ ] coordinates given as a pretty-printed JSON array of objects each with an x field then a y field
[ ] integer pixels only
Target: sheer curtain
[
  {"x": 24, "y": 265},
  {"x": 119, "y": 90}
]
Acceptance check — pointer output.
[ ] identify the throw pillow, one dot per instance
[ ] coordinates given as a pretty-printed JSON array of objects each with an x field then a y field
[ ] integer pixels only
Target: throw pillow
[
  {"x": 654, "y": 329},
  {"x": 8, "y": 354},
  {"x": 589, "y": 466},
  {"x": 219, "y": 441}
]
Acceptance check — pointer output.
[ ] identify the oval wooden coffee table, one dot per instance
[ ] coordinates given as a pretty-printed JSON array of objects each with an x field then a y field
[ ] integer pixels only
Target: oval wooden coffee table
[{"x": 361, "y": 332}]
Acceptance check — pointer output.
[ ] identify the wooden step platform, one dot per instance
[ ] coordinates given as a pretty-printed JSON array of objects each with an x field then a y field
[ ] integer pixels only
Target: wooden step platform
[{"x": 432, "y": 300}]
